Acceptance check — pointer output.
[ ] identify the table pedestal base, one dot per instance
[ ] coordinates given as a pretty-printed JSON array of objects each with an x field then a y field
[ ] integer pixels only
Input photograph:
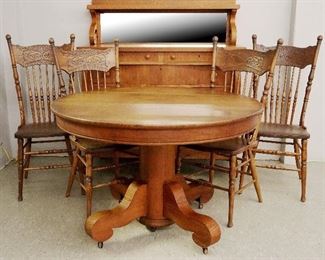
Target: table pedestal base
[{"x": 159, "y": 198}]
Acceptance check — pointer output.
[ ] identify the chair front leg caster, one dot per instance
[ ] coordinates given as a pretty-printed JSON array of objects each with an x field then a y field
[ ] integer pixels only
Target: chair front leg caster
[{"x": 100, "y": 245}]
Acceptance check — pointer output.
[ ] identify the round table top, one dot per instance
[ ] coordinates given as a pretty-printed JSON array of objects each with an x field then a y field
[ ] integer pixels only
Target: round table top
[{"x": 156, "y": 115}]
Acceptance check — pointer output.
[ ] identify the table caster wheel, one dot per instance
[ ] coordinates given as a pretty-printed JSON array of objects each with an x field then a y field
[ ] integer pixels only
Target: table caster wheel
[
  {"x": 100, "y": 244},
  {"x": 205, "y": 250},
  {"x": 151, "y": 229},
  {"x": 120, "y": 200},
  {"x": 200, "y": 206}
]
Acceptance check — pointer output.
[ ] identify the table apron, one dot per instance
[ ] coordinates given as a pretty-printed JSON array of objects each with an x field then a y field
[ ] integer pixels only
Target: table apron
[{"x": 160, "y": 136}]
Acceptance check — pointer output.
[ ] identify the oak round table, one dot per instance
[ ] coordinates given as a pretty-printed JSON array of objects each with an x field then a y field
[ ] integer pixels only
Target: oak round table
[{"x": 157, "y": 119}]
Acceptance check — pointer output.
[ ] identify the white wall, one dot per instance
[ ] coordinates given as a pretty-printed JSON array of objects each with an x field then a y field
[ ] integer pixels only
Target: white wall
[
  {"x": 33, "y": 22},
  {"x": 4, "y": 129},
  {"x": 296, "y": 21},
  {"x": 310, "y": 22},
  {"x": 269, "y": 20}
]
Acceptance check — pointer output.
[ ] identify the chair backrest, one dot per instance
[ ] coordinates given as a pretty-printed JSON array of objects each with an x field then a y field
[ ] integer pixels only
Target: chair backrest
[
  {"x": 35, "y": 79},
  {"x": 86, "y": 69},
  {"x": 243, "y": 68},
  {"x": 294, "y": 68}
]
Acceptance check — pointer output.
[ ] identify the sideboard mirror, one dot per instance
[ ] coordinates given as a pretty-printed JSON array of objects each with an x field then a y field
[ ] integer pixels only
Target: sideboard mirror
[
  {"x": 163, "y": 27},
  {"x": 142, "y": 21}
]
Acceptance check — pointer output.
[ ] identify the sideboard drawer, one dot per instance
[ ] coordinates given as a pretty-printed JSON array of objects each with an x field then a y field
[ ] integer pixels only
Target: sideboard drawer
[
  {"x": 134, "y": 58},
  {"x": 187, "y": 58}
]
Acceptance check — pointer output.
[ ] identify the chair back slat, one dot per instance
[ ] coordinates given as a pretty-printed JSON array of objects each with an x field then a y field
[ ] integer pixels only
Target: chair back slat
[
  {"x": 277, "y": 100},
  {"x": 283, "y": 94},
  {"x": 91, "y": 80},
  {"x": 85, "y": 69},
  {"x": 36, "y": 94},
  {"x": 85, "y": 80},
  {"x": 30, "y": 93},
  {"x": 245, "y": 86},
  {"x": 251, "y": 85},
  {"x": 295, "y": 98},
  {"x": 232, "y": 82},
  {"x": 97, "y": 80},
  {"x": 225, "y": 82},
  {"x": 30, "y": 65},
  {"x": 42, "y": 84},
  {"x": 48, "y": 94},
  {"x": 292, "y": 64},
  {"x": 289, "y": 91},
  {"x": 71, "y": 86},
  {"x": 105, "y": 80}
]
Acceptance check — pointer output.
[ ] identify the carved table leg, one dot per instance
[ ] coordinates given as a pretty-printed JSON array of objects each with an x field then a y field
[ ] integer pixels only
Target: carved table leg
[
  {"x": 119, "y": 188},
  {"x": 159, "y": 202},
  {"x": 205, "y": 230},
  {"x": 100, "y": 224}
]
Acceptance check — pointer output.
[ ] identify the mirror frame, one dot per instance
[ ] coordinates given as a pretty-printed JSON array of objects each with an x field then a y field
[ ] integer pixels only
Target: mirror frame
[{"x": 168, "y": 6}]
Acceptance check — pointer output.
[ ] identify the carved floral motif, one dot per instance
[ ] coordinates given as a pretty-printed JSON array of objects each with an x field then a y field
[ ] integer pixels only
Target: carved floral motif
[
  {"x": 33, "y": 55},
  {"x": 255, "y": 61},
  {"x": 87, "y": 59}
]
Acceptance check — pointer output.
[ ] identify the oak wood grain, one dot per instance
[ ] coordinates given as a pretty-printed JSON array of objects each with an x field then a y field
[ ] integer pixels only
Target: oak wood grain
[
  {"x": 198, "y": 115},
  {"x": 157, "y": 119}
]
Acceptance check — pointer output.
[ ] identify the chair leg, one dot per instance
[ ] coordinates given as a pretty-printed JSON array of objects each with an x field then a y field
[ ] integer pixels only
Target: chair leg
[
  {"x": 20, "y": 160},
  {"x": 303, "y": 169},
  {"x": 231, "y": 190},
  {"x": 27, "y": 157},
  {"x": 297, "y": 157},
  {"x": 178, "y": 161},
  {"x": 73, "y": 172},
  {"x": 211, "y": 175},
  {"x": 89, "y": 183},
  {"x": 255, "y": 175},
  {"x": 243, "y": 169},
  {"x": 69, "y": 148},
  {"x": 116, "y": 163},
  {"x": 211, "y": 170},
  {"x": 82, "y": 172}
]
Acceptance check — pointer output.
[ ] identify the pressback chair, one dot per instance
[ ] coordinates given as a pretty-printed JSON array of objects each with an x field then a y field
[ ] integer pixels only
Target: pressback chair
[
  {"x": 36, "y": 86},
  {"x": 85, "y": 70},
  {"x": 286, "y": 107},
  {"x": 242, "y": 69}
]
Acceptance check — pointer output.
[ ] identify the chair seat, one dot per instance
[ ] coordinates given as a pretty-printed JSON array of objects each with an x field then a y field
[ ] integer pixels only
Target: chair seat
[
  {"x": 88, "y": 144},
  {"x": 283, "y": 131},
  {"x": 227, "y": 147},
  {"x": 96, "y": 146},
  {"x": 38, "y": 130}
]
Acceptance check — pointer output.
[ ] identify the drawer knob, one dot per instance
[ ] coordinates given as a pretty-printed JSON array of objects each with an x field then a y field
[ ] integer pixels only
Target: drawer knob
[
  {"x": 173, "y": 57},
  {"x": 147, "y": 57}
]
